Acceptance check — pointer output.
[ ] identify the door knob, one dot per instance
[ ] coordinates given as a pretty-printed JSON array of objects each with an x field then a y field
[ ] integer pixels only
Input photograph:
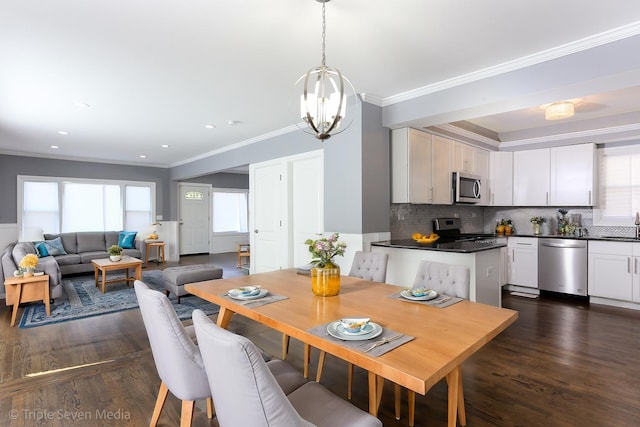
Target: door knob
[{"x": 255, "y": 231}]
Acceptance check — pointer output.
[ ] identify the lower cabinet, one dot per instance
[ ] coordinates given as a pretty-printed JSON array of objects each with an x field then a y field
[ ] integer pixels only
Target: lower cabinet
[
  {"x": 614, "y": 270},
  {"x": 522, "y": 253}
]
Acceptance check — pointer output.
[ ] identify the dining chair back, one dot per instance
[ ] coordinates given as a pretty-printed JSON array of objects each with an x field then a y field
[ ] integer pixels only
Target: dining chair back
[
  {"x": 370, "y": 266},
  {"x": 176, "y": 356},
  {"x": 247, "y": 394},
  {"x": 448, "y": 279}
]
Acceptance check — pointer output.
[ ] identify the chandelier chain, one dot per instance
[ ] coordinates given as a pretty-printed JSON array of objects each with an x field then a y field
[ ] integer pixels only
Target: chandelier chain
[{"x": 324, "y": 32}]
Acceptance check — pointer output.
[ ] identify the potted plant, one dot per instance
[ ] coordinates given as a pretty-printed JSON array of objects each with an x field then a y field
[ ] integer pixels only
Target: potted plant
[
  {"x": 536, "y": 221},
  {"x": 325, "y": 275},
  {"x": 115, "y": 253},
  {"x": 28, "y": 263}
]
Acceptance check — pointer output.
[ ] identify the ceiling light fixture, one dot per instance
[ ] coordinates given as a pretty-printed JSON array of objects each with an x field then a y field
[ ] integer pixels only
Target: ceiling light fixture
[
  {"x": 323, "y": 102},
  {"x": 559, "y": 110},
  {"x": 210, "y": 126},
  {"x": 63, "y": 132}
]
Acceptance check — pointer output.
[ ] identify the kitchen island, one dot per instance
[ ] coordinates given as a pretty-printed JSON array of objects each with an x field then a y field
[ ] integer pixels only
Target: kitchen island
[{"x": 481, "y": 257}]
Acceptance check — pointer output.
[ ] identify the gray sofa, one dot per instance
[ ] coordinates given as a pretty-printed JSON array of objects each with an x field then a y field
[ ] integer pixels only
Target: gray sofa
[{"x": 81, "y": 248}]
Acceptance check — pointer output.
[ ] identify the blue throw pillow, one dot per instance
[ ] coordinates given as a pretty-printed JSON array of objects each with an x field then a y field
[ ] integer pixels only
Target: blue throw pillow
[
  {"x": 126, "y": 240},
  {"x": 54, "y": 247},
  {"x": 41, "y": 248}
]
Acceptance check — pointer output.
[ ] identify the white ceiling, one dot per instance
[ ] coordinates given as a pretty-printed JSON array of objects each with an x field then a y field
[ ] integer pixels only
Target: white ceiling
[{"x": 156, "y": 72}]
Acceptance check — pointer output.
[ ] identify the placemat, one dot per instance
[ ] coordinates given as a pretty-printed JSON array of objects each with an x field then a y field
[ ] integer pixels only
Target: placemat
[
  {"x": 268, "y": 299},
  {"x": 321, "y": 331},
  {"x": 440, "y": 301}
]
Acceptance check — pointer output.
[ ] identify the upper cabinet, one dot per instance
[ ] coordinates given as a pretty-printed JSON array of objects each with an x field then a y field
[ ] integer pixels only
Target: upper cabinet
[
  {"x": 441, "y": 170},
  {"x": 573, "y": 175},
  {"x": 531, "y": 177},
  {"x": 558, "y": 176},
  {"x": 410, "y": 166},
  {"x": 500, "y": 178}
]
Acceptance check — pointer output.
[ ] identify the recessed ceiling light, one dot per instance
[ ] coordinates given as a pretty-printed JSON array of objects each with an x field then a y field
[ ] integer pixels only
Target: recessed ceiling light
[
  {"x": 210, "y": 126},
  {"x": 55, "y": 147},
  {"x": 142, "y": 156},
  {"x": 63, "y": 132},
  {"x": 232, "y": 122},
  {"x": 165, "y": 146},
  {"x": 81, "y": 104}
]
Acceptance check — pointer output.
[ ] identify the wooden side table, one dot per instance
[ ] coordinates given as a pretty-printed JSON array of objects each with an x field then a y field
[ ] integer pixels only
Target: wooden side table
[
  {"x": 27, "y": 289},
  {"x": 159, "y": 245},
  {"x": 244, "y": 251}
]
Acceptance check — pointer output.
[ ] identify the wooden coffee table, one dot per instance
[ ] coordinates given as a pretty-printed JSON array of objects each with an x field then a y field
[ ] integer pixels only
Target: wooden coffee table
[
  {"x": 27, "y": 289},
  {"x": 105, "y": 265}
]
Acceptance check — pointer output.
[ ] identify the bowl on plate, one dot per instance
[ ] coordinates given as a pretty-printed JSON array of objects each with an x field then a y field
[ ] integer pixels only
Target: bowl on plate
[
  {"x": 246, "y": 291},
  {"x": 354, "y": 325},
  {"x": 419, "y": 292}
]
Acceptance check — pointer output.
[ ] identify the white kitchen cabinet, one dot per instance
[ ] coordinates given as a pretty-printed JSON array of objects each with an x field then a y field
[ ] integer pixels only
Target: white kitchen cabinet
[
  {"x": 500, "y": 188},
  {"x": 612, "y": 270},
  {"x": 531, "y": 175},
  {"x": 482, "y": 170},
  {"x": 441, "y": 170},
  {"x": 410, "y": 166},
  {"x": 523, "y": 261},
  {"x": 635, "y": 285},
  {"x": 464, "y": 157},
  {"x": 572, "y": 180}
]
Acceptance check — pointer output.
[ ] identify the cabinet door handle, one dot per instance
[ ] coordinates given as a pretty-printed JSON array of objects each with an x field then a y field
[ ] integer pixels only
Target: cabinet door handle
[
  {"x": 589, "y": 197},
  {"x": 635, "y": 266},
  {"x": 628, "y": 264},
  {"x": 547, "y": 198}
]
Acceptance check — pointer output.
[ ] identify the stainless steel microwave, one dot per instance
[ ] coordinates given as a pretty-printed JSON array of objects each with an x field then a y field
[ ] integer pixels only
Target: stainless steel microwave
[{"x": 467, "y": 188}]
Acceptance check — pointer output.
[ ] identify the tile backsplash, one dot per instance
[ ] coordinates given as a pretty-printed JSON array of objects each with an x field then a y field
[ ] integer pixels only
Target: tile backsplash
[{"x": 407, "y": 219}]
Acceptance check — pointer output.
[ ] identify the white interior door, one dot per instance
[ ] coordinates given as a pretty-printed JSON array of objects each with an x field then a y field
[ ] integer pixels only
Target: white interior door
[
  {"x": 266, "y": 191},
  {"x": 307, "y": 204},
  {"x": 195, "y": 227}
]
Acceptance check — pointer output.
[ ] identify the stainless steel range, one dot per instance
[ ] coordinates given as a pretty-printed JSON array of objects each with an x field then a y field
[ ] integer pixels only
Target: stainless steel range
[{"x": 449, "y": 230}]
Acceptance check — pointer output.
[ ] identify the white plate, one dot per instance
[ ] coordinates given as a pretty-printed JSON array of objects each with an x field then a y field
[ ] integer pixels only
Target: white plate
[
  {"x": 39, "y": 273},
  {"x": 426, "y": 297},
  {"x": 244, "y": 290},
  {"x": 372, "y": 330},
  {"x": 261, "y": 294}
]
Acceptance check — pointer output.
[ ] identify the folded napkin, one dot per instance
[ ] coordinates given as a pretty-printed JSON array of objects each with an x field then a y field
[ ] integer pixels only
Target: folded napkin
[
  {"x": 441, "y": 301},
  {"x": 321, "y": 331},
  {"x": 258, "y": 302}
]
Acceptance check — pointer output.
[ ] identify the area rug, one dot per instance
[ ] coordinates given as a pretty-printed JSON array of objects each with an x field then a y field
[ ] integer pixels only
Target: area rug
[{"x": 83, "y": 299}]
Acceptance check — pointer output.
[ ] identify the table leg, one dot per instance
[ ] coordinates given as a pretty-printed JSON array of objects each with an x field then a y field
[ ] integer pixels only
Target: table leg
[
  {"x": 139, "y": 272},
  {"x": 46, "y": 297},
  {"x": 453, "y": 379},
  {"x": 95, "y": 272},
  {"x": 376, "y": 383},
  {"x": 104, "y": 280},
  {"x": 16, "y": 303},
  {"x": 224, "y": 317},
  {"x": 146, "y": 255}
]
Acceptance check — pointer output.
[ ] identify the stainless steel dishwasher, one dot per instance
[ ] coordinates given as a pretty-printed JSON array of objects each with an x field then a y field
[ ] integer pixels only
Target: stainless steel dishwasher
[{"x": 562, "y": 265}]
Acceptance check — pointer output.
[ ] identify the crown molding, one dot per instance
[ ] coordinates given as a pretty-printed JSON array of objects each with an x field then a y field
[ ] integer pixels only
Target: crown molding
[
  {"x": 591, "y": 133},
  {"x": 586, "y": 43}
]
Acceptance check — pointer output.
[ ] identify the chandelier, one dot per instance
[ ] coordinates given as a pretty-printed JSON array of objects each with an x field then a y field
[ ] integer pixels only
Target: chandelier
[{"x": 323, "y": 103}]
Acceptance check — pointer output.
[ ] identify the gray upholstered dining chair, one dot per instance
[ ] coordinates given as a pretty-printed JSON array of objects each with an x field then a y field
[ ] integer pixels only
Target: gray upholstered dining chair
[
  {"x": 447, "y": 279},
  {"x": 369, "y": 266},
  {"x": 178, "y": 359},
  {"x": 247, "y": 394}
]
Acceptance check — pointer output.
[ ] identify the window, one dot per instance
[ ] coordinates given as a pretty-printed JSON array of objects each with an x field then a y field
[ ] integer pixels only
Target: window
[
  {"x": 230, "y": 211},
  {"x": 62, "y": 205},
  {"x": 619, "y": 186}
]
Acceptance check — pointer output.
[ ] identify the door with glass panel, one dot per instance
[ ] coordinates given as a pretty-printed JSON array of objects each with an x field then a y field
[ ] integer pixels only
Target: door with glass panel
[{"x": 195, "y": 228}]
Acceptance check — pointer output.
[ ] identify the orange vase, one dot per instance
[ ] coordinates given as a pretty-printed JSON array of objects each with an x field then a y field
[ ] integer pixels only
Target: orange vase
[{"x": 325, "y": 281}]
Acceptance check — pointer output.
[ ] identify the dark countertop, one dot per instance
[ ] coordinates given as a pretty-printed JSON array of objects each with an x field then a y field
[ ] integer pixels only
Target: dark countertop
[
  {"x": 600, "y": 238},
  {"x": 459, "y": 247}
]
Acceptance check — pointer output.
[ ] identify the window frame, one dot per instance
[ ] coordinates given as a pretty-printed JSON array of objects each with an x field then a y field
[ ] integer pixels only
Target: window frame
[
  {"x": 21, "y": 179},
  {"x": 227, "y": 190}
]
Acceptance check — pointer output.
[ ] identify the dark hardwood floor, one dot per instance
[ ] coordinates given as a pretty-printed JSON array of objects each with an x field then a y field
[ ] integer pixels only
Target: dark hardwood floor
[{"x": 563, "y": 363}]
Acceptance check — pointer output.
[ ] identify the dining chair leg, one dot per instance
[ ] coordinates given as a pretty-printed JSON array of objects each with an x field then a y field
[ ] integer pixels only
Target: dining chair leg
[
  {"x": 162, "y": 397},
  {"x": 349, "y": 381},
  {"x": 186, "y": 415},
  {"x": 397, "y": 399},
  {"x": 210, "y": 408},
  {"x": 320, "y": 365},
  {"x": 285, "y": 346}
]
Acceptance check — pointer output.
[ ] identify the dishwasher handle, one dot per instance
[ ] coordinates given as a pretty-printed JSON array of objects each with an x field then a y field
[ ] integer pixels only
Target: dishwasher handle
[{"x": 577, "y": 245}]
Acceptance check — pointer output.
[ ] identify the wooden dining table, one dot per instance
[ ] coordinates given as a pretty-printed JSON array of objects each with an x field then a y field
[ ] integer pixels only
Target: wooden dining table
[{"x": 444, "y": 337}]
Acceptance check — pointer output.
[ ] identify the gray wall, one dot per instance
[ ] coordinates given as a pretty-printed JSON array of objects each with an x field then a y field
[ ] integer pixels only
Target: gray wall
[
  {"x": 12, "y": 166},
  {"x": 223, "y": 180}
]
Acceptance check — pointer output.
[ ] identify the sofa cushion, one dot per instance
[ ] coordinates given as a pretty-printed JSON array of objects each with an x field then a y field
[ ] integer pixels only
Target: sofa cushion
[
  {"x": 8, "y": 264},
  {"x": 87, "y": 257},
  {"x": 91, "y": 242},
  {"x": 55, "y": 247},
  {"x": 41, "y": 248},
  {"x": 69, "y": 241},
  {"x": 127, "y": 239},
  {"x": 68, "y": 259},
  {"x": 111, "y": 238}
]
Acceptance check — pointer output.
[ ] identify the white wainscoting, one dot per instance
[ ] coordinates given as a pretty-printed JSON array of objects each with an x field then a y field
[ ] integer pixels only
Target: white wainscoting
[{"x": 227, "y": 242}]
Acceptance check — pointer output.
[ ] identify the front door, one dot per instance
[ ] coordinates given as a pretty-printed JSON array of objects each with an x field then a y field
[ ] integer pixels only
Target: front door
[{"x": 195, "y": 227}]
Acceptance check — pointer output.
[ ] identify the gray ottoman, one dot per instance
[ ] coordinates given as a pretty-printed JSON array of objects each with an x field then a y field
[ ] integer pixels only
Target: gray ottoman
[{"x": 174, "y": 278}]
